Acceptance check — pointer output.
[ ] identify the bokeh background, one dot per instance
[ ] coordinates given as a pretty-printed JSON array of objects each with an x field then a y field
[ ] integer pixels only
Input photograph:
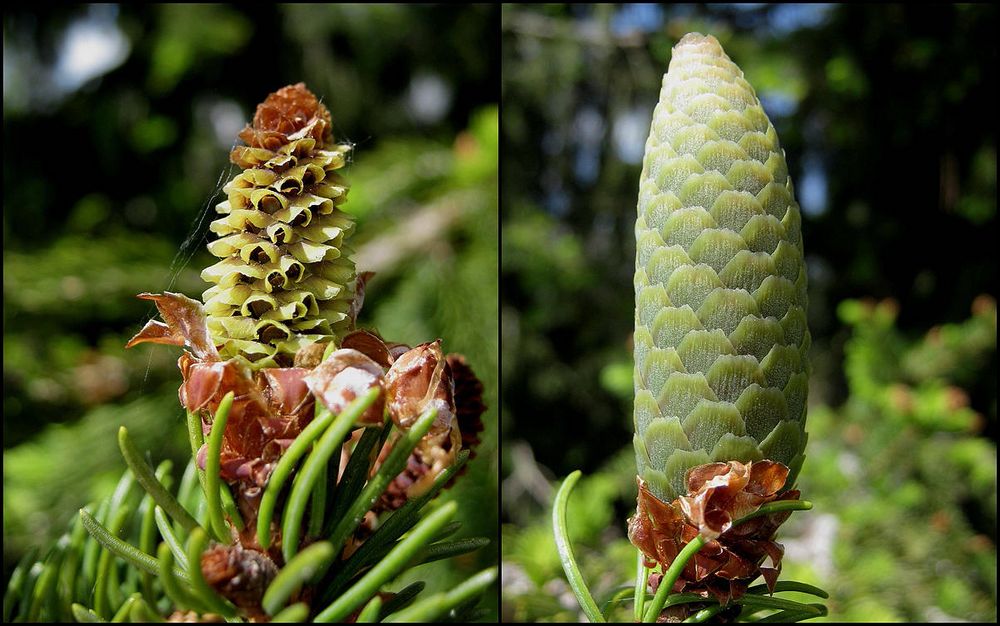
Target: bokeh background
[
  {"x": 118, "y": 121},
  {"x": 888, "y": 117}
]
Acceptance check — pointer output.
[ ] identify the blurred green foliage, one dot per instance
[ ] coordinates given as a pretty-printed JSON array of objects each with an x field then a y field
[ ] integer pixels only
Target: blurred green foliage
[
  {"x": 901, "y": 467},
  {"x": 110, "y": 179},
  {"x": 886, "y": 116}
]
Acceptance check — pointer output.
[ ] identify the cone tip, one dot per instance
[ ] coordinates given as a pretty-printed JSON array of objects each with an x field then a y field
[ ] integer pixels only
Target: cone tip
[{"x": 705, "y": 44}]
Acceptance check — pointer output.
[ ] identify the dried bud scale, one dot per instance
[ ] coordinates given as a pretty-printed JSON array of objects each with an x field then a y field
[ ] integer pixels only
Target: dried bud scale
[
  {"x": 469, "y": 406},
  {"x": 239, "y": 575},
  {"x": 344, "y": 376},
  {"x": 418, "y": 380}
]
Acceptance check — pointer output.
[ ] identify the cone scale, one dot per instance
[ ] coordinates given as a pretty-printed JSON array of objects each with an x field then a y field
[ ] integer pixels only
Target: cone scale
[{"x": 721, "y": 340}]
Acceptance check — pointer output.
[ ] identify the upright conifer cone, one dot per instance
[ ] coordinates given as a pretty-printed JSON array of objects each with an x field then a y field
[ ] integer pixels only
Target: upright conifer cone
[
  {"x": 720, "y": 326},
  {"x": 286, "y": 279}
]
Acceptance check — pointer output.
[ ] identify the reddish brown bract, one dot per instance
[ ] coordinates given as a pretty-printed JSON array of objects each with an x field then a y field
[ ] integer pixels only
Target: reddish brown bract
[
  {"x": 718, "y": 495},
  {"x": 239, "y": 575},
  {"x": 286, "y": 112},
  {"x": 271, "y": 406}
]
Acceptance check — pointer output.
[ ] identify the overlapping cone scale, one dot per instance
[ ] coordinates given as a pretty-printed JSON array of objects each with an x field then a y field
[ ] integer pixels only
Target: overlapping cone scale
[
  {"x": 285, "y": 278},
  {"x": 721, "y": 341}
]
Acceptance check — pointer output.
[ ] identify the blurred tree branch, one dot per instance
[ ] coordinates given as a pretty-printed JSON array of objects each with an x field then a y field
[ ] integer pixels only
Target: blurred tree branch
[{"x": 422, "y": 230}]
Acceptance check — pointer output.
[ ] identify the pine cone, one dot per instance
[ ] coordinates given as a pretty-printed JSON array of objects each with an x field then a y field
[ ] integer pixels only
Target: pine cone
[
  {"x": 286, "y": 286},
  {"x": 285, "y": 291},
  {"x": 286, "y": 279},
  {"x": 720, "y": 329}
]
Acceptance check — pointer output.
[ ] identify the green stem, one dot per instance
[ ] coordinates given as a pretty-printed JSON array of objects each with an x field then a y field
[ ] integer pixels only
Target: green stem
[
  {"x": 620, "y": 596},
  {"x": 323, "y": 490},
  {"x": 448, "y": 549},
  {"x": 297, "y": 572},
  {"x": 439, "y": 604},
  {"x": 402, "y": 599},
  {"x": 213, "y": 482},
  {"x": 131, "y": 584},
  {"x": 391, "y": 468},
  {"x": 641, "y": 576},
  {"x": 789, "y": 585},
  {"x": 144, "y": 474},
  {"x": 179, "y": 595},
  {"x": 389, "y": 531},
  {"x": 281, "y": 472},
  {"x": 704, "y": 615},
  {"x": 167, "y": 532},
  {"x": 313, "y": 468},
  {"x": 124, "y": 613},
  {"x": 192, "y": 498},
  {"x": 566, "y": 550},
  {"x": 18, "y": 582},
  {"x": 389, "y": 567},
  {"x": 775, "y": 603},
  {"x": 84, "y": 615},
  {"x": 369, "y": 614},
  {"x": 295, "y": 613},
  {"x": 141, "y": 612},
  {"x": 317, "y": 503},
  {"x": 44, "y": 588},
  {"x": 122, "y": 549},
  {"x": 197, "y": 437},
  {"x": 450, "y": 529},
  {"x": 681, "y": 598},
  {"x": 196, "y": 546},
  {"x": 776, "y": 507},
  {"x": 229, "y": 506},
  {"x": 354, "y": 476},
  {"x": 102, "y": 588},
  {"x": 92, "y": 549},
  {"x": 147, "y": 532},
  {"x": 70, "y": 570},
  {"x": 121, "y": 493},
  {"x": 791, "y": 616},
  {"x": 671, "y": 576}
]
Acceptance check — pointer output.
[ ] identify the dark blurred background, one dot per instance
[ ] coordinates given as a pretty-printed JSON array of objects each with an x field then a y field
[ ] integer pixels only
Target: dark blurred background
[
  {"x": 118, "y": 121},
  {"x": 888, "y": 117}
]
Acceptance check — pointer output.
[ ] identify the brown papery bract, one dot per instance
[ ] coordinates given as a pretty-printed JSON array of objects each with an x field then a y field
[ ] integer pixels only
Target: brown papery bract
[
  {"x": 419, "y": 380},
  {"x": 718, "y": 495},
  {"x": 345, "y": 375}
]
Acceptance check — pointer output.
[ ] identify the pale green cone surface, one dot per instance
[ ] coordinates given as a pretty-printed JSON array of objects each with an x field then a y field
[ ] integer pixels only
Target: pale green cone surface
[{"x": 721, "y": 341}]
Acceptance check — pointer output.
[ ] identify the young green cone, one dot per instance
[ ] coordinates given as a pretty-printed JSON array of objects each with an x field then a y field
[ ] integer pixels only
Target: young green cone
[{"x": 721, "y": 340}]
